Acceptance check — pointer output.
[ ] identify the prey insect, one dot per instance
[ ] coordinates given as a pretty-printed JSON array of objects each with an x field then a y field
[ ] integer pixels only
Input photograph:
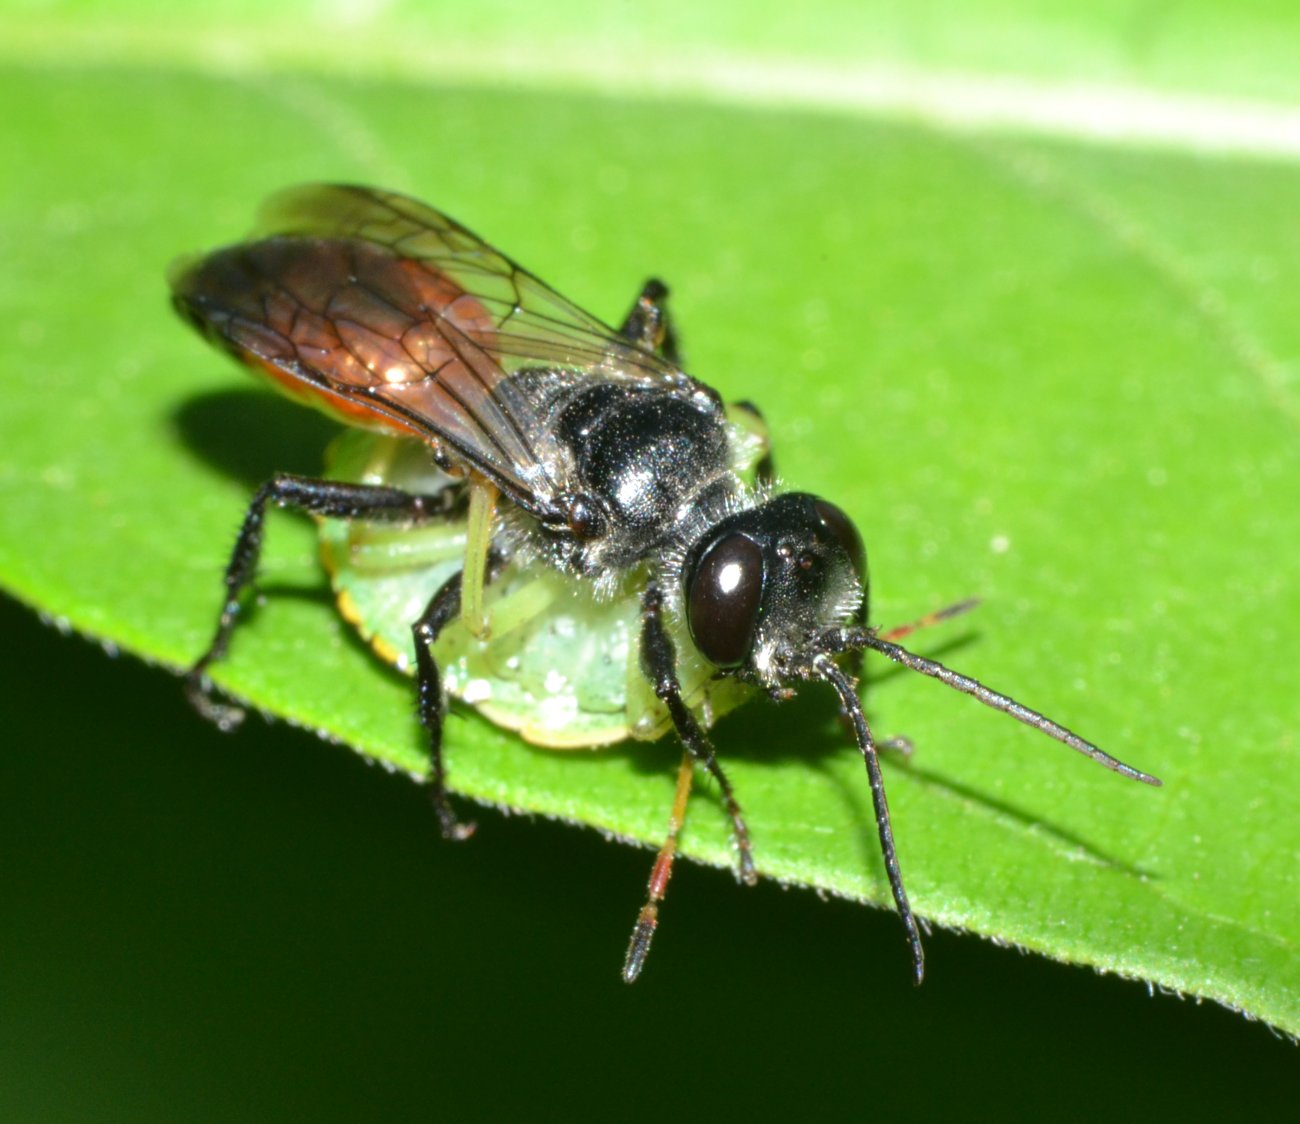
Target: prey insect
[{"x": 542, "y": 516}]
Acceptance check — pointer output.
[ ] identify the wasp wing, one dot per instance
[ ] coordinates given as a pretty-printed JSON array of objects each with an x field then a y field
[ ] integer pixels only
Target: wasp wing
[{"x": 387, "y": 312}]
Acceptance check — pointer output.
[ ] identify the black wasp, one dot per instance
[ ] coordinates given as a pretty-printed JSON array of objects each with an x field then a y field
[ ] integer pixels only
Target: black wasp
[{"x": 570, "y": 458}]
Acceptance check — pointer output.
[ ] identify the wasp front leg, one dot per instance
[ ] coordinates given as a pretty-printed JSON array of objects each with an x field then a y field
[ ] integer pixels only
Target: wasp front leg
[
  {"x": 329, "y": 499},
  {"x": 659, "y": 664}
]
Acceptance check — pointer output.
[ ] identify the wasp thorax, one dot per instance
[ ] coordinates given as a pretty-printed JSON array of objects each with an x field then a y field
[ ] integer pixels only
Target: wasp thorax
[{"x": 763, "y": 580}]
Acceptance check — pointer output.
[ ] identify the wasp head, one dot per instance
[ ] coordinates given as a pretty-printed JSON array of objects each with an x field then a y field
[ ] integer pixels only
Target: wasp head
[{"x": 764, "y": 586}]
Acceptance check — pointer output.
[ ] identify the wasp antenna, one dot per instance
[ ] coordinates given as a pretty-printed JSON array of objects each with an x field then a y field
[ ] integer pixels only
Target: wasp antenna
[
  {"x": 647, "y": 921},
  {"x": 995, "y": 699},
  {"x": 825, "y": 667}
]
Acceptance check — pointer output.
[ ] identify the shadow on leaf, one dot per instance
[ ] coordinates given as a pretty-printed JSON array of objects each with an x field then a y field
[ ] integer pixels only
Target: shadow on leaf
[{"x": 249, "y": 435}]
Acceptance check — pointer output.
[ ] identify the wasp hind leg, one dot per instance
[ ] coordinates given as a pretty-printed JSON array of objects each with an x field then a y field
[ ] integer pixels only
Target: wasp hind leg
[{"x": 331, "y": 499}]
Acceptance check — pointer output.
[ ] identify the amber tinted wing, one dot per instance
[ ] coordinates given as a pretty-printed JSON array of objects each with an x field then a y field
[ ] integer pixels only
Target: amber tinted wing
[{"x": 389, "y": 309}]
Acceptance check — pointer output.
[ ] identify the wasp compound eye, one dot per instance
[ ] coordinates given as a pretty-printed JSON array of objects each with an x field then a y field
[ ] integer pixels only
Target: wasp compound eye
[
  {"x": 723, "y": 596},
  {"x": 846, "y": 534}
]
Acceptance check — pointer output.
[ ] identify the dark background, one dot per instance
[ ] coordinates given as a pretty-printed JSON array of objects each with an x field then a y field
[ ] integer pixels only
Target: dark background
[{"x": 196, "y": 926}]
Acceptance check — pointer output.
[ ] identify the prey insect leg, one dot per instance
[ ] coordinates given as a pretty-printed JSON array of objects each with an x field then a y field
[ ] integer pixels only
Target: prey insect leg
[
  {"x": 326, "y": 498},
  {"x": 659, "y": 664},
  {"x": 647, "y": 921},
  {"x": 482, "y": 508}
]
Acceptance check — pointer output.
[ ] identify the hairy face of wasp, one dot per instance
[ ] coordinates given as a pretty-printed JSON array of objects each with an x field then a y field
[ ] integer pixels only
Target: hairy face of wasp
[{"x": 764, "y": 583}]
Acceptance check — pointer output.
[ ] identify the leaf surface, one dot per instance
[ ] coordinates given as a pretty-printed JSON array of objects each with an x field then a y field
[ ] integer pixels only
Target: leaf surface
[{"x": 1057, "y": 376}]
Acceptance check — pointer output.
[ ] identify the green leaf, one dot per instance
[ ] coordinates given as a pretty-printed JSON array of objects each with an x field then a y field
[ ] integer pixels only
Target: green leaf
[{"x": 1057, "y": 376}]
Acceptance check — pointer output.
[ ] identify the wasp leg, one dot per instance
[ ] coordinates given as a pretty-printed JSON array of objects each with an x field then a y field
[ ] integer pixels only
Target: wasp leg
[
  {"x": 929, "y": 620},
  {"x": 328, "y": 498},
  {"x": 648, "y": 325},
  {"x": 847, "y": 690},
  {"x": 765, "y": 470},
  {"x": 659, "y": 663},
  {"x": 443, "y": 608},
  {"x": 647, "y": 921}
]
